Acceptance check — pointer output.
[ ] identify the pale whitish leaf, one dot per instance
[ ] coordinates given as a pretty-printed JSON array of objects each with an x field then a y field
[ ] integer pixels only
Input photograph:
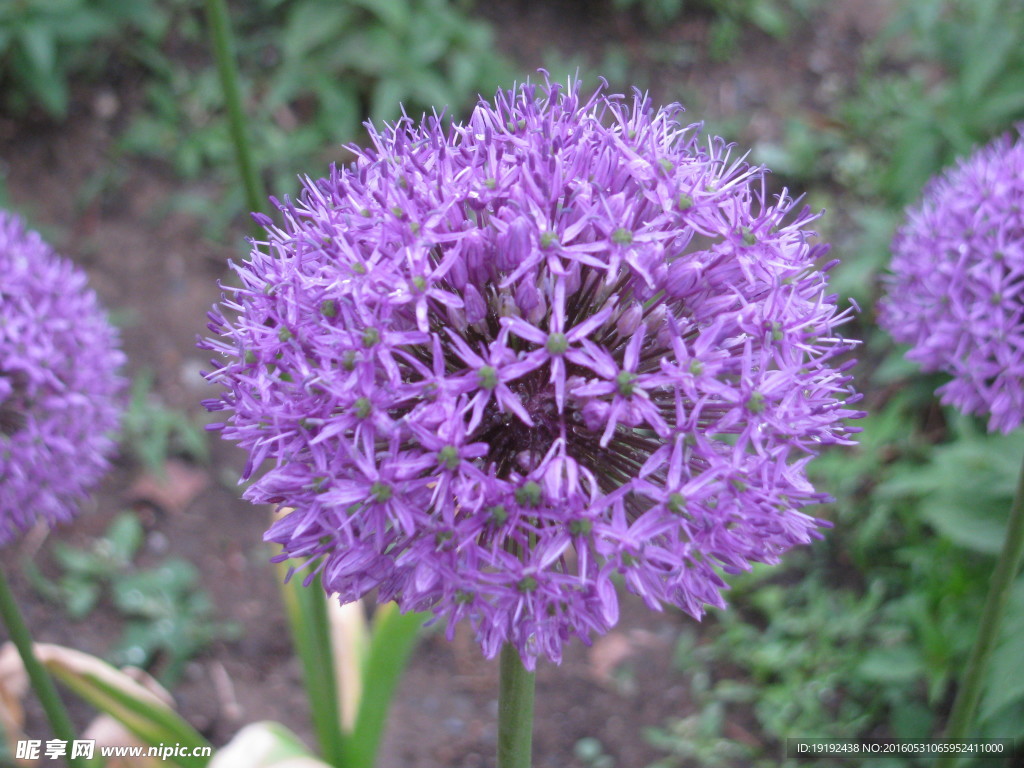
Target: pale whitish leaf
[
  {"x": 13, "y": 686},
  {"x": 265, "y": 745},
  {"x": 108, "y": 732},
  {"x": 145, "y": 713},
  {"x": 349, "y": 637}
]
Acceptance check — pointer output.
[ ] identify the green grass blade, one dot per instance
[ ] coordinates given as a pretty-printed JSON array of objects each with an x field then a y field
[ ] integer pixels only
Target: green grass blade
[
  {"x": 306, "y": 608},
  {"x": 392, "y": 640}
]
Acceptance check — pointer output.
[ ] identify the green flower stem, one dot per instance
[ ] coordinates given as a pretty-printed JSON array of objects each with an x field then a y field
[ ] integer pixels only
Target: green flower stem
[
  {"x": 306, "y": 609},
  {"x": 41, "y": 681},
  {"x": 515, "y": 711},
  {"x": 992, "y": 615},
  {"x": 224, "y": 50}
]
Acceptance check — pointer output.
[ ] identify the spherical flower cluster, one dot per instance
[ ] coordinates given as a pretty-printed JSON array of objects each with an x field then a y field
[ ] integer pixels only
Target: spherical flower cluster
[
  {"x": 498, "y": 364},
  {"x": 956, "y": 292},
  {"x": 59, "y": 385}
]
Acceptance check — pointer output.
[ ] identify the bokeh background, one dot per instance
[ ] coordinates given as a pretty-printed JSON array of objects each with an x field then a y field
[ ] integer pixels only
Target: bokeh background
[{"x": 114, "y": 144}]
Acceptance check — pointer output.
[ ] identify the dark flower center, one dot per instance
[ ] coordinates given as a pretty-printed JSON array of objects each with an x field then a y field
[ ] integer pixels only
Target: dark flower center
[{"x": 14, "y": 409}]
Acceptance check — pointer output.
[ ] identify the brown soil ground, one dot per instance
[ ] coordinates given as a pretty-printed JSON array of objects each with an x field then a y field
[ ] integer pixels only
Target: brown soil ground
[{"x": 155, "y": 268}]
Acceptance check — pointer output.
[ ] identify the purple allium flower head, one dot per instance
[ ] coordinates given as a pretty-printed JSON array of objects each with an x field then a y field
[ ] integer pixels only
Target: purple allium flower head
[
  {"x": 956, "y": 292},
  {"x": 496, "y": 364},
  {"x": 59, "y": 383}
]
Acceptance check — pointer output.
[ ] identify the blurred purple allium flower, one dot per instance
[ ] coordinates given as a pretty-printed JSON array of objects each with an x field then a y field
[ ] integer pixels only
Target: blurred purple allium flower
[
  {"x": 496, "y": 364},
  {"x": 59, "y": 383},
  {"x": 956, "y": 292}
]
